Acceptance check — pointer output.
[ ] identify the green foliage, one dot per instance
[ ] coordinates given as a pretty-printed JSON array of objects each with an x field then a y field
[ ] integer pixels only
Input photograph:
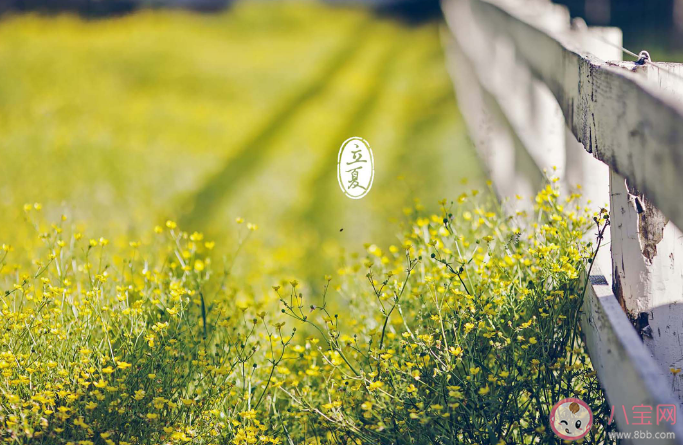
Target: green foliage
[
  {"x": 465, "y": 333},
  {"x": 124, "y": 348},
  {"x": 168, "y": 336}
]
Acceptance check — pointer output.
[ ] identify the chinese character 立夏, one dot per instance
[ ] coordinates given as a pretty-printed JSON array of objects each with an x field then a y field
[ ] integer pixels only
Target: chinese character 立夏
[
  {"x": 357, "y": 157},
  {"x": 353, "y": 182}
]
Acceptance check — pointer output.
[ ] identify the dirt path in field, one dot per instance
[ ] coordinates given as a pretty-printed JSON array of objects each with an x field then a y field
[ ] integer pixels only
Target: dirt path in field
[{"x": 254, "y": 152}]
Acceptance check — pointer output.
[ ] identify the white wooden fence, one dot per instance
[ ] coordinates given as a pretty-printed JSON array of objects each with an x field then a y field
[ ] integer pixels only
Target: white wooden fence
[{"x": 536, "y": 92}]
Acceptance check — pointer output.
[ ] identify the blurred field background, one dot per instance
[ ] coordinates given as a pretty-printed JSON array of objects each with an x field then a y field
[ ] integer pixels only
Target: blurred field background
[{"x": 124, "y": 122}]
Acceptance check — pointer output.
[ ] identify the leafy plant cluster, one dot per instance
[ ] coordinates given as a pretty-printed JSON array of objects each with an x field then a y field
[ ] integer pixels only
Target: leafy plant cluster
[{"x": 464, "y": 332}]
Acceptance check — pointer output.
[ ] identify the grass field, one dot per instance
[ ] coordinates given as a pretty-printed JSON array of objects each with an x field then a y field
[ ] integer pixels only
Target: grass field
[
  {"x": 126, "y": 122},
  {"x": 138, "y": 154}
]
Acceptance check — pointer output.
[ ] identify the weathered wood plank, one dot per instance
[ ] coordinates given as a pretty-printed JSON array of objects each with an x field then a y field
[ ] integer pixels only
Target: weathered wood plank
[
  {"x": 624, "y": 365},
  {"x": 621, "y": 119},
  {"x": 647, "y": 251}
]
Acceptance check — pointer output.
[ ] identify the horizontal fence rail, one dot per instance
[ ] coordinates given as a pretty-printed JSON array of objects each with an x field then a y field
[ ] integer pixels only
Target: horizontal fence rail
[{"x": 537, "y": 93}]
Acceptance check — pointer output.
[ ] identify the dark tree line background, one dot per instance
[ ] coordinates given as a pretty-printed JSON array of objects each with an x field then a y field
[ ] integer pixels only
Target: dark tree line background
[
  {"x": 656, "y": 22},
  {"x": 644, "y": 22},
  {"x": 97, "y": 8}
]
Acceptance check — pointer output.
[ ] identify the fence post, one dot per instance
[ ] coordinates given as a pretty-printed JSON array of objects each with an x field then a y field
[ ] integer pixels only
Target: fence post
[
  {"x": 647, "y": 261},
  {"x": 514, "y": 118},
  {"x": 492, "y": 139},
  {"x": 582, "y": 169}
]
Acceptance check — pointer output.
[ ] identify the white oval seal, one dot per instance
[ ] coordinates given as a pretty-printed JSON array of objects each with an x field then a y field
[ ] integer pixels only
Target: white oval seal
[{"x": 355, "y": 167}]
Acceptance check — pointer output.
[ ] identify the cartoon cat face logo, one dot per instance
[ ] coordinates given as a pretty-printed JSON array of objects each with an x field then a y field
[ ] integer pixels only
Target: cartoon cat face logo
[{"x": 571, "y": 419}]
